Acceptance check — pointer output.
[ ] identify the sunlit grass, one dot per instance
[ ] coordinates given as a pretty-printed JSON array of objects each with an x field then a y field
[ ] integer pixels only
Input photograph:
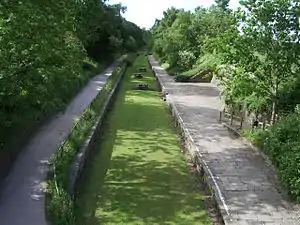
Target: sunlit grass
[
  {"x": 139, "y": 175},
  {"x": 59, "y": 204}
]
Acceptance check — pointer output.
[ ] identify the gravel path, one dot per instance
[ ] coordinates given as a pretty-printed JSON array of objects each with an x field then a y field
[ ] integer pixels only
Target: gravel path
[{"x": 22, "y": 196}]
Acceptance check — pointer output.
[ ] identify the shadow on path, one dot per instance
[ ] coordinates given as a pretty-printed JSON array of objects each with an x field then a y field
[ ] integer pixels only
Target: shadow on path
[{"x": 246, "y": 182}]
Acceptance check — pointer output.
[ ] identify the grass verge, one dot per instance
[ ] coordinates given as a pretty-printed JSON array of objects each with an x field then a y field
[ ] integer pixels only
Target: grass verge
[
  {"x": 59, "y": 203},
  {"x": 139, "y": 175}
]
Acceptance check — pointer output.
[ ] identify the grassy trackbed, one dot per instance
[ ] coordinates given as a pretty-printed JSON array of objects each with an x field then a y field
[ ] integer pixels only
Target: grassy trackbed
[{"x": 138, "y": 174}]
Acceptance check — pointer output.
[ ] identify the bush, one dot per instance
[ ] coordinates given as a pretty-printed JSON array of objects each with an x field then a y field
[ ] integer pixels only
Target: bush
[
  {"x": 89, "y": 66},
  {"x": 43, "y": 71},
  {"x": 186, "y": 59},
  {"x": 255, "y": 136},
  {"x": 128, "y": 63},
  {"x": 60, "y": 208},
  {"x": 181, "y": 78},
  {"x": 282, "y": 145}
]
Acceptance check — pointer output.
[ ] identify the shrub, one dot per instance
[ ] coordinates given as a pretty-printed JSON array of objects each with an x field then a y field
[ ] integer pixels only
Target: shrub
[
  {"x": 128, "y": 63},
  {"x": 282, "y": 145},
  {"x": 60, "y": 208},
  {"x": 255, "y": 136},
  {"x": 181, "y": 78},
  {"x": 88, "y": 66},
  {"x": 186, "y": 59}
]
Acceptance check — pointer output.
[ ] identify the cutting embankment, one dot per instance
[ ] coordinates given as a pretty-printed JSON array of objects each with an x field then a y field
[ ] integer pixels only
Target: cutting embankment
[{"x": 138, "y": 174}]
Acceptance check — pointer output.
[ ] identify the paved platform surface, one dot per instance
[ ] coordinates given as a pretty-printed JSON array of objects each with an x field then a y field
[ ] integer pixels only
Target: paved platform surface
[
  {"x": 22, "y": 196},
  {"x": 248, "y": 193}
]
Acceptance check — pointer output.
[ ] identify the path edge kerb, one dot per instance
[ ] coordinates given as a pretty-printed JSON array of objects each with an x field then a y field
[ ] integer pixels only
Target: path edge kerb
[
  {"x": 77, "y": 167},
  {"x": 196, "y": 154}
]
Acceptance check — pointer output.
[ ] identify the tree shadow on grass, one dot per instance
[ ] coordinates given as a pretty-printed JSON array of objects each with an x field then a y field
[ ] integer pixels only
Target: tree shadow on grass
[
  {"x": 147, "y": 181},
  {"x": 138, "y": 175},
  {"x": 139, "y": 191}
]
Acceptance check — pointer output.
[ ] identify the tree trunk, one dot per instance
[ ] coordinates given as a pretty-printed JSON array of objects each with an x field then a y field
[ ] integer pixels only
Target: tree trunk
[
  {"x": 275, "y": 101},
  {"x": 264, "y": 123},
  {"x": 242, "y": 121},
  {"x": 273, "y": 116}
]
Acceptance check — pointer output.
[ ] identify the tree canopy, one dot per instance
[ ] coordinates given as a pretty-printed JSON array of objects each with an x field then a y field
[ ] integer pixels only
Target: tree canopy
[
  {"x": 254, "y": 53},
  {"x": 44, "y": 49},
  {"x": 258, "y": 45}
]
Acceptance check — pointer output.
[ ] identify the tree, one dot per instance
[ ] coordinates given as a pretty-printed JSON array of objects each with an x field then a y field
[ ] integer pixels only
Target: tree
[
  {"x": 180, "y": 37},
  {"x": 271, "y": 28},
  {"x": 223, "y": 4},
  {"x": 43, "y": 47},
  {"x": 266, "y": 48}
]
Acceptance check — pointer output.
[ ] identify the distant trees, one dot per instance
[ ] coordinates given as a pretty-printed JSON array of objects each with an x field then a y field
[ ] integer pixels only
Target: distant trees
[
  {"x": 180, "y": 37},
  {"x": 223, "y": 4}
]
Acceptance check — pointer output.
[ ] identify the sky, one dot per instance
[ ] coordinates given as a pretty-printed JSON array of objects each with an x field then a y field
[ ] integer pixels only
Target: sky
[{"x": 144, "y": 12}]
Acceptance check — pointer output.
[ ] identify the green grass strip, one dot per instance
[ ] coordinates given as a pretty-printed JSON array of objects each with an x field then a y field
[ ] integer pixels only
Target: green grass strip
[
  {"x": 139, "y": 175},
  {"x": 59, "y": 204}
]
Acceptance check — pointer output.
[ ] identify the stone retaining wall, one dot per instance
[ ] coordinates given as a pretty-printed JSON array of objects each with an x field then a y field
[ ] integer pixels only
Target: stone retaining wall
[
  {"x": 81, "y": 158},
  {"x": 195, "y": 154}
]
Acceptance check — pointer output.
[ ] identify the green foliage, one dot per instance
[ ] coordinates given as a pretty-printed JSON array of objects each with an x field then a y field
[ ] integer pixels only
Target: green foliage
[
  {"x": 40, "y": 66},
  {"x": 266, "y": 49},
  {"x": 180, "y": 38},
  {"x": 256, "y": 136},
  {"x": 128, "y": 62},
  {"x": 241, "y": 88},
  {"x": 289, "y": 95},
  {"x": 223, "y": 4},
  {"x": 89, "y": 65},
  {"x": 60, "y": 204},
  {"x": 282, "y": 146},
  {"x": 206, "y": 62},
  {"x": 44, "y": 58},
  {"x": 186, "y": 59},
  {"x": 209, "y": 61},
  {"x": 260, "y": 73},
  {"x": 254, "y": 51},
  {"x": 181, "y": 78},
  {"x": 105, "y": 31}
]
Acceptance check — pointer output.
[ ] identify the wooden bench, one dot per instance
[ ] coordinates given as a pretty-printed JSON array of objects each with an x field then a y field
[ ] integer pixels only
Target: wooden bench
[
  {"x": 137, "y": 75},
  {"x": 143, "y": 70},
  {"x": 142, "y": 87}
]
